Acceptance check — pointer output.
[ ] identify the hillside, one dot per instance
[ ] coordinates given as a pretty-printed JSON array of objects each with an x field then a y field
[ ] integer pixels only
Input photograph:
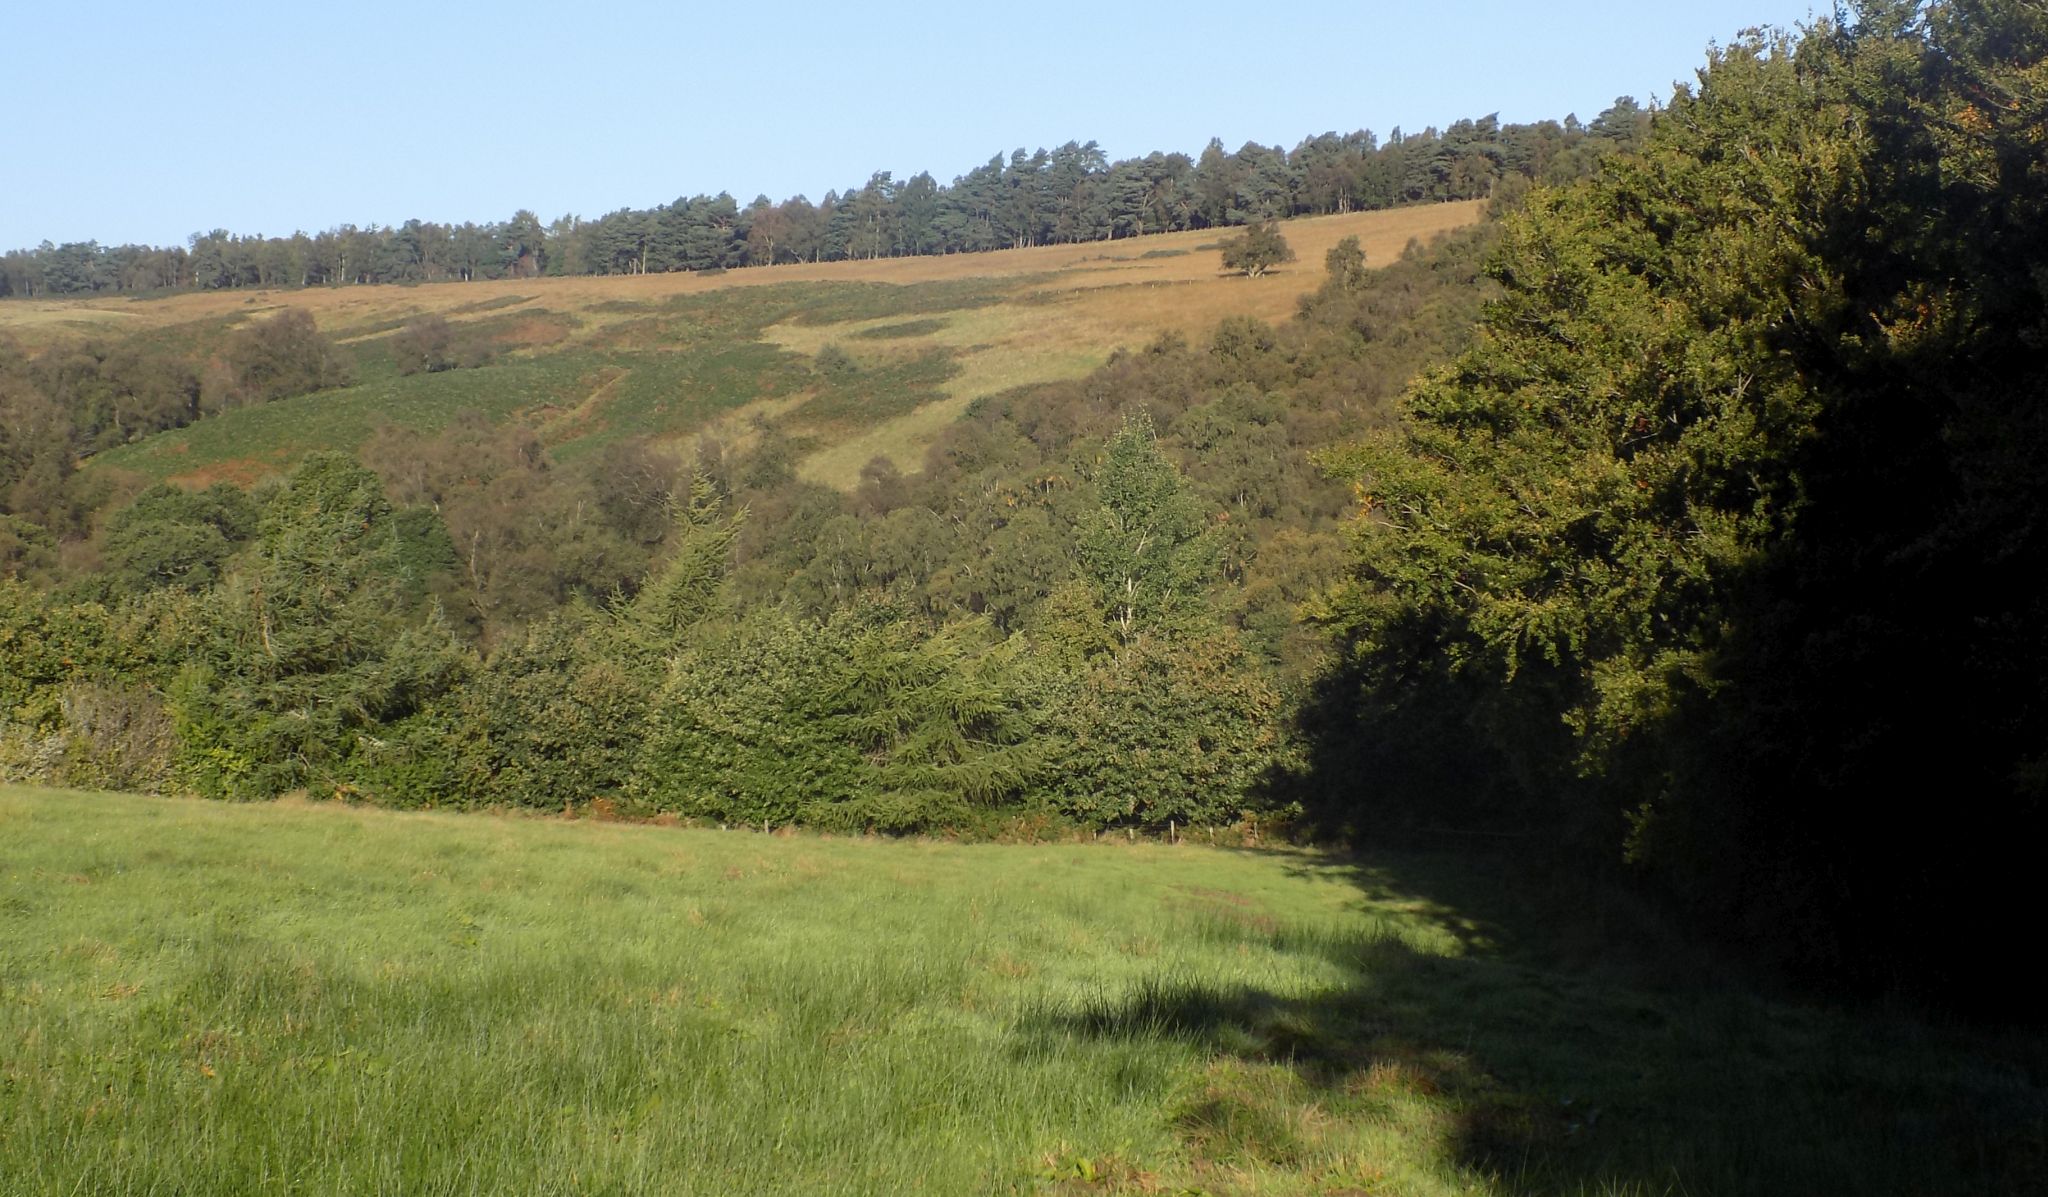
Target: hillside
[
  {"x": 673, "y": 356},
  {"x": 1651, "y": 528}
]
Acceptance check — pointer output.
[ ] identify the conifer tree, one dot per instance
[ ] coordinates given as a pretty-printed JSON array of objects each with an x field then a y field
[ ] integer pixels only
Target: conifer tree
[
  {"x": 315, "y": 644},
  {"x": 685, "y": 589}
]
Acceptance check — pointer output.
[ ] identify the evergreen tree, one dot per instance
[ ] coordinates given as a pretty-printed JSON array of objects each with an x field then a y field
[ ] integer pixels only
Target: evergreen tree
[
  {"x": 1720, "y": 527},
  {"x": 685, "y": 589},
  {"x": 314, "y": 645}
]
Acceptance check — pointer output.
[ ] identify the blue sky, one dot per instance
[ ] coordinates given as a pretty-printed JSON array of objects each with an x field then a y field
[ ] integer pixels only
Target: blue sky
[{"x": 150, "y": 121}]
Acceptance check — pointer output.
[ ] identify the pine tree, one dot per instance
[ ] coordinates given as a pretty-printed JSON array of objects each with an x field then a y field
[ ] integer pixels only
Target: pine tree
[{"x": 685, "y": 589}]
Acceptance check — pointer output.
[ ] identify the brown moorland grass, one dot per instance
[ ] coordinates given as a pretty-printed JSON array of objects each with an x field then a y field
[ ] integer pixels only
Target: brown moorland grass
[
  {"x": 1063, "y": 310},
  {"x": 1142, "y": 262}
]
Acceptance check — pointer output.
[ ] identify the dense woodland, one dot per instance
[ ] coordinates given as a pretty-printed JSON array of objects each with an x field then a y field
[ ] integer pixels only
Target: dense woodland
[
  {"x": 1674, "y": 526},
  {"x": 1070, "y": 194}
]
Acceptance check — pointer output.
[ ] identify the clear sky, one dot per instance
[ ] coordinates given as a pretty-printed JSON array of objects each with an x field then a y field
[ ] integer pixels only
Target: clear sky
[{"x": 142, "y": 120}]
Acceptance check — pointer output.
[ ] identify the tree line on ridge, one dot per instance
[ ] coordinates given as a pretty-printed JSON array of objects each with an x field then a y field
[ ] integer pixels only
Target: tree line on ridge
[{"x": 1069, "y": 194}]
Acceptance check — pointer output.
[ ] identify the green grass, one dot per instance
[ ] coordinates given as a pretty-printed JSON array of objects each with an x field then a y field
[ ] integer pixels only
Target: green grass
[
  {"x": 866, "y": 396},
  {"x": 229, "y": 999},
  {"x": 254, "y": 441}
]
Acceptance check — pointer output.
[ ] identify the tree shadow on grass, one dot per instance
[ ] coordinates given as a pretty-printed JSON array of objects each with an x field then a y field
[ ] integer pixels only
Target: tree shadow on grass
[{"x": 1496, "y": 1049}]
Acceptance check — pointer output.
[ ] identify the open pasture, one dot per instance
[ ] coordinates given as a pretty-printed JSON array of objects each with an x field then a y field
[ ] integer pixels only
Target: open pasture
[{"x": 288, "y": 998}]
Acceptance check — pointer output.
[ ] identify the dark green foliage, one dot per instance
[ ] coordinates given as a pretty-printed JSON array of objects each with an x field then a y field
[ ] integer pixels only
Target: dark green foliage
[
  {"x": 81, "y": 693},
  {"x": 1183, "y": 730},
  {"x": 865, "y": 721},
  {"x": 940, "y": 719},
  {"x": 1257, "y": 250},
  {"x": 425, "y": 557},
  {"x": 556, "y": 715},
  {"x": 27, "y": 550},
  {"x": 277, "y": 358},
  {"x": 173, "y": 537},
  {"x": 741, "y": 730},
  {"x": 551, "y": 719},
  {"x": 312, "y": 647},
  {"x": 1161, "y": 716},
  {"x": 1723, "y": 523}
]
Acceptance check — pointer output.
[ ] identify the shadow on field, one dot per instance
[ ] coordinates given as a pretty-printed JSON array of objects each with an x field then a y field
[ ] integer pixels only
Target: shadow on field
[{"x": 1569, "y": 1063}]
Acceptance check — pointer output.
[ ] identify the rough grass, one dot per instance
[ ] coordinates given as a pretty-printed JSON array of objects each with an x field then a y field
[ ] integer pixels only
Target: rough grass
[
  {"x": 227, "y": 999},
  {"x": 697, "y": 347}
]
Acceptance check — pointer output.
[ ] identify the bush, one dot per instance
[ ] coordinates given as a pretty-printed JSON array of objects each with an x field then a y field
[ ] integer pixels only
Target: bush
[
  {"x": 1181, "y": 730},
  {"x": 835, "y": 362},
  {"x": 864, "y": 722},
  {"x": 547, "y": 722},
  {"x": 277, "y": 358},
  {"x": 430, "y": 344}
]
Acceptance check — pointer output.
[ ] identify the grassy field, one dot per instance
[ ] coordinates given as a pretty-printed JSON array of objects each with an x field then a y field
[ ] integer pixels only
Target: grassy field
[
  {"x": 288, "y": 999},
  {"x": 677, "y": 356}
]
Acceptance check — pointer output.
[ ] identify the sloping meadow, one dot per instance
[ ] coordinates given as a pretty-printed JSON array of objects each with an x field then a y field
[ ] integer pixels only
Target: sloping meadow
[
  {"x": 912, "y": 342},
  {"x": 207, "y": 998}
]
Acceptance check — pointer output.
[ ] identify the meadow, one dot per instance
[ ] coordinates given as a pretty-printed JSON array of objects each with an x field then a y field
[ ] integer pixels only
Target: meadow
[
  {"x": 314, "y": 998},
  {"x": 675, "y": 357}
]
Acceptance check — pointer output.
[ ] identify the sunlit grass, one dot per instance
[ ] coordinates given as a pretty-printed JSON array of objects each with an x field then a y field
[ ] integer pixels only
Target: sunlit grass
[{"x": 229, "y": 999}]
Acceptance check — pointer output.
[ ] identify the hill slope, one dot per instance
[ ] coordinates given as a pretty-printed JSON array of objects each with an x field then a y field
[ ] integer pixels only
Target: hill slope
[{"x": 679, "y": 355}]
